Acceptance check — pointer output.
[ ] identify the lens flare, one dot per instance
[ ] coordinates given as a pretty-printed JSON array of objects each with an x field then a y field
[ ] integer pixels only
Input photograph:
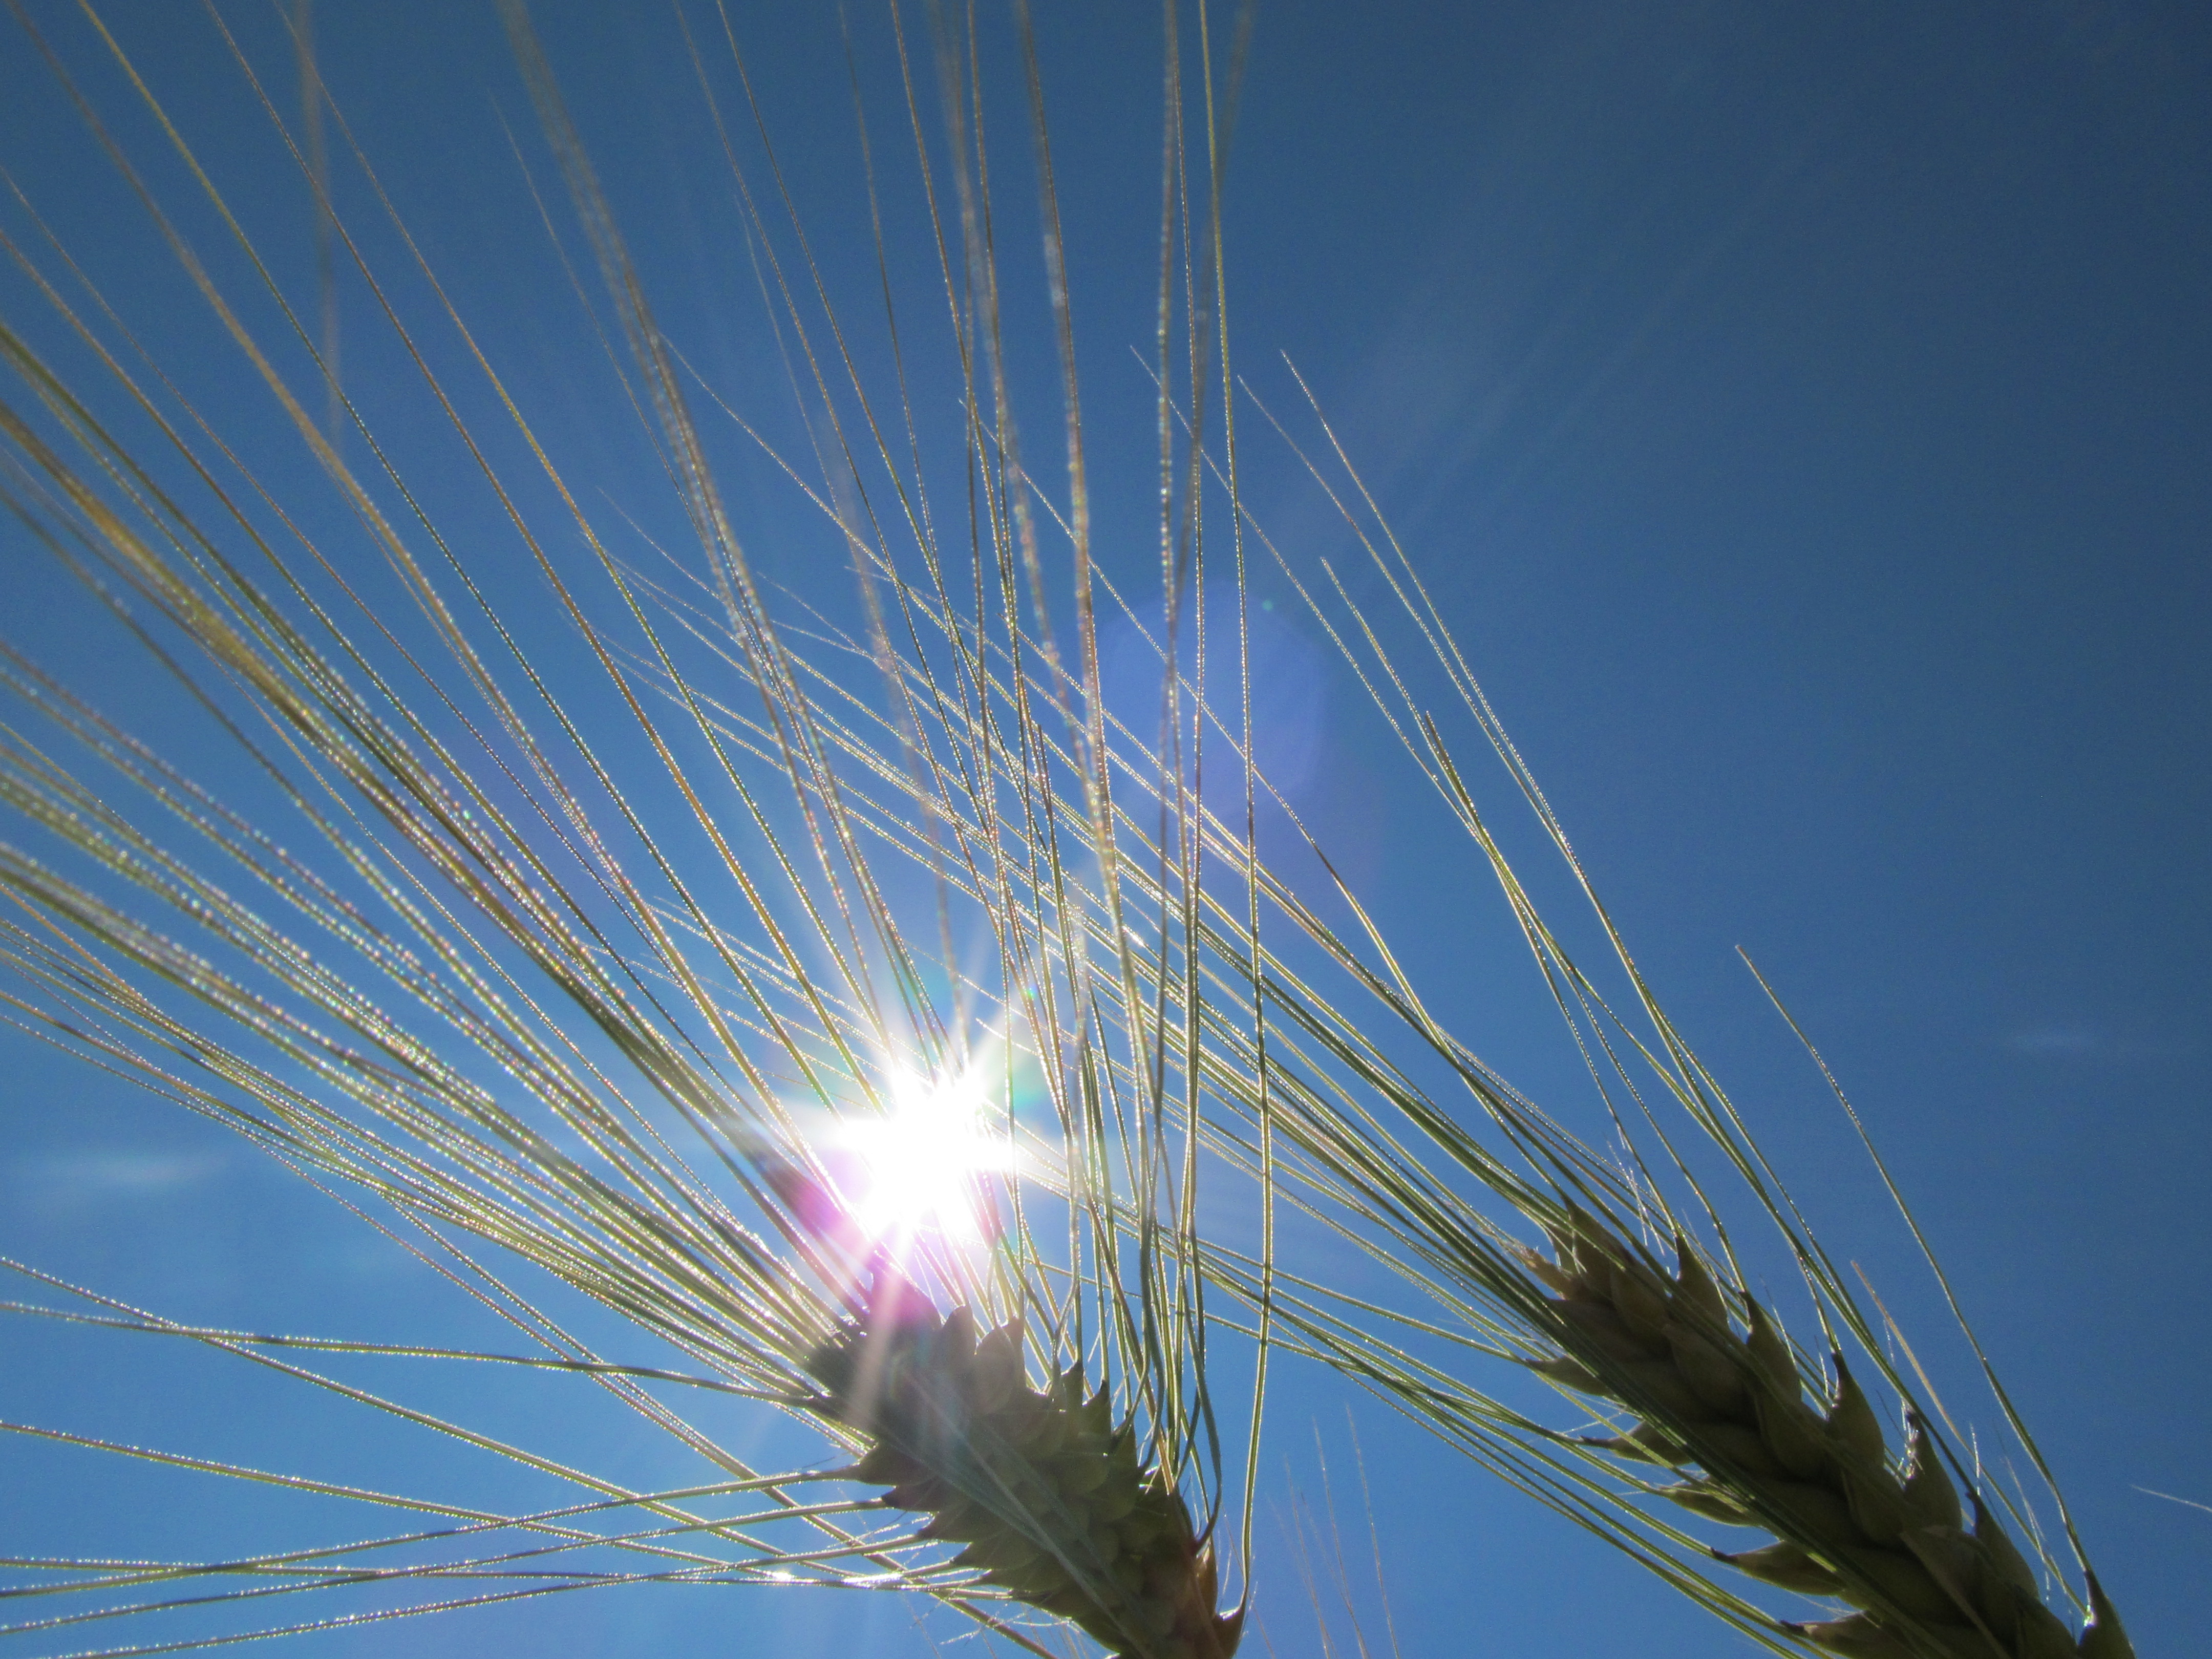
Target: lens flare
[{"x": 925, "y": 1166}]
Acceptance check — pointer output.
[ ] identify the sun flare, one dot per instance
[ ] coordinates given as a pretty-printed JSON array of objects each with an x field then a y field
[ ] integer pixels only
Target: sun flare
[{"x": 923, "y": 1166}]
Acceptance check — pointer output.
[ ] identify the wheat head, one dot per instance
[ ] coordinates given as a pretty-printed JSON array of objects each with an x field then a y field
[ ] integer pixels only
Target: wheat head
[
  {"x": 1850, "y": 1522},
  {"x": 1040, "y": 1485}
]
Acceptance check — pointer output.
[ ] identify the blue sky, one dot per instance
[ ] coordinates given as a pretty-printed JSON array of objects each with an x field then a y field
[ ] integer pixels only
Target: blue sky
[{"x": 1800, "y": 413}]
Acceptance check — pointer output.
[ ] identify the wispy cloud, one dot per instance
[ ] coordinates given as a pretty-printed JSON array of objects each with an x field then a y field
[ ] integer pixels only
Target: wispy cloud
[
  {"x": 2055, "y": 1042},
  {"x": 83, "y": 1176},
  {"x": 2063, "y": 1040}
]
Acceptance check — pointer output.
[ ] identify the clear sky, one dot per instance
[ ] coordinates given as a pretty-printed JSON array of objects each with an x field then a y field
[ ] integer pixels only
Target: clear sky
[{"x": 1804, "y": 416}]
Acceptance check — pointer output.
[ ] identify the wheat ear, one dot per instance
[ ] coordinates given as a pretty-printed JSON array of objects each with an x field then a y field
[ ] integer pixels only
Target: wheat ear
[
  {"x": 1043, "y": 1488},
  {"x": 1889, "y": 1540}
]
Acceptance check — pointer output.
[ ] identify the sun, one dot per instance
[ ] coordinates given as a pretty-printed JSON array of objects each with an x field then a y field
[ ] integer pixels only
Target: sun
[{"x": 923, "y": 1168}]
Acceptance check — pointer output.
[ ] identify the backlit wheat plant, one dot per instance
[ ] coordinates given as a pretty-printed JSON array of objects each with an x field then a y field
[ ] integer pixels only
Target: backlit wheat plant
[
  {"x": 1639, "y": 1301},
  {"x": 605, "y": 981},
  {"x": 860, "y": 1007}
]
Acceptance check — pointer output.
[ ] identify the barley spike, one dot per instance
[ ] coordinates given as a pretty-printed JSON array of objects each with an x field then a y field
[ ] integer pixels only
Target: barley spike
[
  {"x": 1849, "y": 1523},
  {"x": 1046, "y": 1493}
]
